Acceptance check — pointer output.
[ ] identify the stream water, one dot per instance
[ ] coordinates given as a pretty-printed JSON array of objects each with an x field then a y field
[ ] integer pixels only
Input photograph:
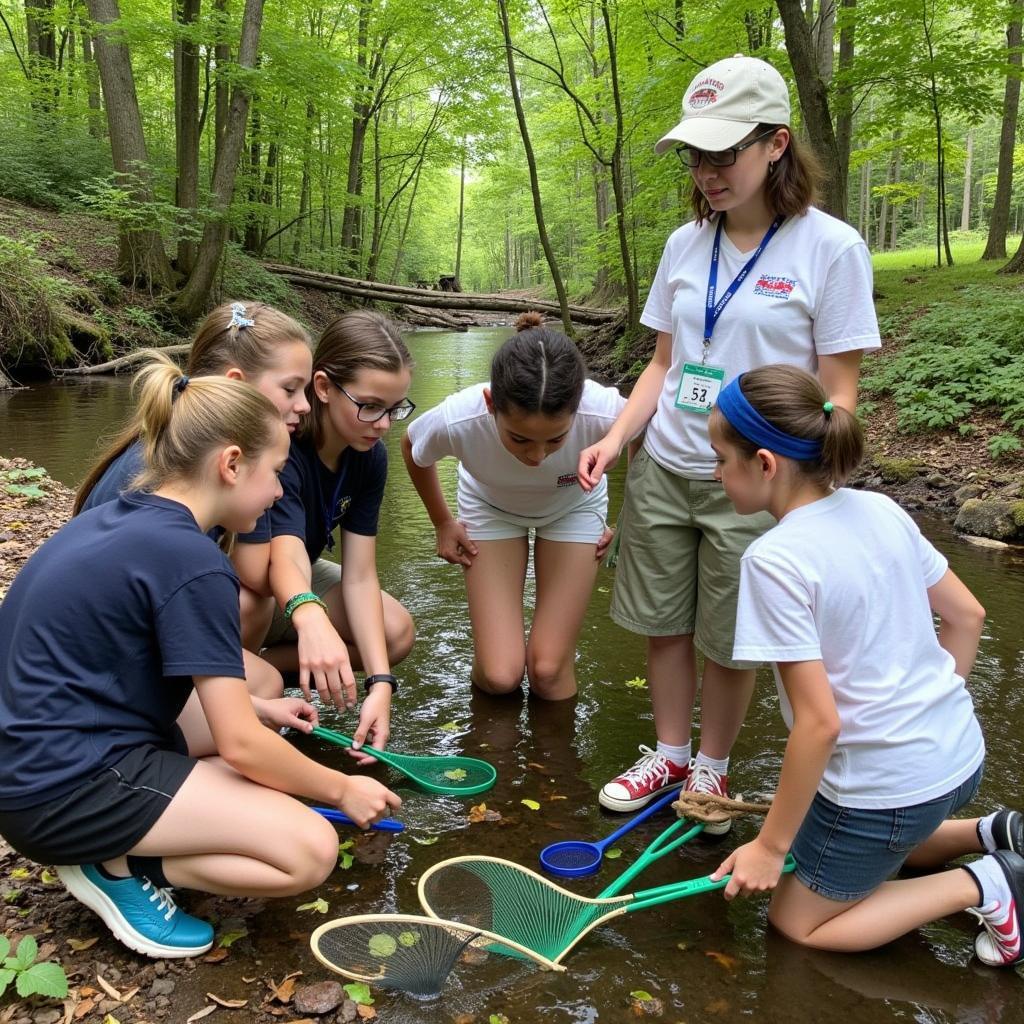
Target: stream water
[{"x": 705, "y": 959}]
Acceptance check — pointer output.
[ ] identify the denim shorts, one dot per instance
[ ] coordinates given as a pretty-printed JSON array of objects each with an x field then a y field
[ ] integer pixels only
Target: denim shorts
[{"x": 845, "y": 853}]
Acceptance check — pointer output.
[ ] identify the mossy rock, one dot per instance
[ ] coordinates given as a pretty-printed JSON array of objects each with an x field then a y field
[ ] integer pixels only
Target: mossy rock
[
  {"x": 992, "y": 517},
  {"x": 897, "y": 471}
]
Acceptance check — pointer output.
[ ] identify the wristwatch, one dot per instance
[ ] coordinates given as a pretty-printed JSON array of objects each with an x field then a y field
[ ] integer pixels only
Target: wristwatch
[{"x": 381, "y": 677}]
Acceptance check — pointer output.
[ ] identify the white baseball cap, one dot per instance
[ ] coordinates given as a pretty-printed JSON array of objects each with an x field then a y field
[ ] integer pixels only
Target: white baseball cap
[{"x": 726, "y": 102}]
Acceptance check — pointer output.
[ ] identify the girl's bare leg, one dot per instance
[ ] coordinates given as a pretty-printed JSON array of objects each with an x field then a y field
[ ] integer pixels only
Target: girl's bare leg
[{"x": 672, "y": 680}]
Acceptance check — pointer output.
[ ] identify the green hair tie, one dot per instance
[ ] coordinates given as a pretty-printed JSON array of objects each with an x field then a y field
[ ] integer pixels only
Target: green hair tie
[{"x": 828, "y": 407}]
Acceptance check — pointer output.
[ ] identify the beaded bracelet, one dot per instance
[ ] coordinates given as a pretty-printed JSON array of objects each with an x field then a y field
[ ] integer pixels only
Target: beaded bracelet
[{"x": 308, "y": 597}]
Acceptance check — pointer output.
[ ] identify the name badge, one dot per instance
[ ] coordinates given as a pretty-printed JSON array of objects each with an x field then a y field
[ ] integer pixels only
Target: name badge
[{"x": 699, "y": 388}]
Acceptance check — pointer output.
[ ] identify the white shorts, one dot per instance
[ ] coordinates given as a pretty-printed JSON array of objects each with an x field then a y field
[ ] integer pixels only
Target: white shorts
[{"x": 582, "y": 523}]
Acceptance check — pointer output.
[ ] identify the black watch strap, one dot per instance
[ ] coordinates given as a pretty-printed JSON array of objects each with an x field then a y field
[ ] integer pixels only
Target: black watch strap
[{"x": 381, "y": 677}]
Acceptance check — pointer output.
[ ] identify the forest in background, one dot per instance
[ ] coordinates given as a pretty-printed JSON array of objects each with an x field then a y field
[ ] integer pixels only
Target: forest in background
[{"x": 507, "y": 142}]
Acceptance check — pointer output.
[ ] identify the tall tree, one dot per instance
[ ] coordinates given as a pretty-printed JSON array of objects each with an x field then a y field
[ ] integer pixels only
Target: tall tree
[
  {"x": 531, "y": 161},
  {"x": 999, "y": 218},
  {"x": 141, "y": 258}
]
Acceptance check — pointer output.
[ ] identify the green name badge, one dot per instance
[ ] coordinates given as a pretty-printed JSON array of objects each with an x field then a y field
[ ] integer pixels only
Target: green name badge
[{"x": 699, "y": 387}]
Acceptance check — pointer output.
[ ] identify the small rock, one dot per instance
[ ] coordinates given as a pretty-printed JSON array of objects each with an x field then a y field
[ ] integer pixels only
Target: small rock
[
  {"x": 937, "y": 480},
  {"x": 163, "y": 1001},
  {"x": 968, "y": 491},
  {"x": 873, "y": 481},
  {"x": 318, "y": 999},
  {"x": 49, "y": 1015},
  {"x": 652, "y": 1007},
  {"x": 349, "y": 1011},
  {"x": 113, "y": 975},
  {"x": 160, "y": 967},
  {"x": 161, "y": 987},
  {"x": 1011, "y": 490}
]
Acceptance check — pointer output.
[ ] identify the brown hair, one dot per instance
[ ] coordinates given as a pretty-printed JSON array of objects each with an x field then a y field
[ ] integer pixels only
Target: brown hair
[
  {"x": 183, "y": 419},
  {"x": 219, "y": 345},
  {"x": 791, "y": 185},
  {"x": 358, "y": 340},
  {"x": 537, "y": 370},
  {"x": 793, "y": 401}
]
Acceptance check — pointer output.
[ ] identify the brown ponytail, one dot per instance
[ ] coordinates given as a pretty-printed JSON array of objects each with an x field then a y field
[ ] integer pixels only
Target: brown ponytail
[{"x": 795, "y": 402}]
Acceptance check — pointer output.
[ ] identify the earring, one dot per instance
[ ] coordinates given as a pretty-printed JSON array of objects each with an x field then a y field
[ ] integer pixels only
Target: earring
[{"x": 771, "y": 166}]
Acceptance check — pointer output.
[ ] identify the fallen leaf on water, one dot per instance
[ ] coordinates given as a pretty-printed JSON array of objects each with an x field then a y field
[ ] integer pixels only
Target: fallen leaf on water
[
  {"x": 613, "y": 854},
  {"x": 425, "y": 842},
  {"x": 366, "y": 1012},
  {"x": 249, "y": 981},
  {"x": 229, "y": 938},
  {"x": 198, "y": 1015},
  {"x": 498, "y": 1018},
  {"x": 455, "y": 774},
  {"x": 602, "y": 590},
  {"x": 538, "y": 767},
  {"x": 450, "y": 727},
  {"x": 78, "y": 945},
  {"x": 359, "y": 992},
  {"x": 730, "y": 963},
  {"x": 283, "y": 993},
  {"x": 216, "y": 956},
  {"x": 641, "y": 995},
  {"x": 108, "y": 988},
  {"x": 532, "y": 804},
  {"x": 321, "y": 906},
  {"x": 345, "y": 857},
  {"x": 636, "y": 683},
  {"x": 557, "y": 796},
  {"x": 481, "y": 812},
  {"x": 230, "y": 1004}
]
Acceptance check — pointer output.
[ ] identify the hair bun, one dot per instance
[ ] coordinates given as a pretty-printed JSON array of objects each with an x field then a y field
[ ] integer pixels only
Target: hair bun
[{"x": 525, "y": 321}]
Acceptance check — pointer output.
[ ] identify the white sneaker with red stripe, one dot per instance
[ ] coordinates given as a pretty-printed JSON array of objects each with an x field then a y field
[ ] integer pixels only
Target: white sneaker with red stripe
[
  {"x": 704, "y": 779},
  {"x": 636, "y": 787},
  {"x": 1000, "y": 943}
]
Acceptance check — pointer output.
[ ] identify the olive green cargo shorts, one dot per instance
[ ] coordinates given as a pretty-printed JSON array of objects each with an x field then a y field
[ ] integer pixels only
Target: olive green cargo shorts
[{"x": 679, "y": 559}]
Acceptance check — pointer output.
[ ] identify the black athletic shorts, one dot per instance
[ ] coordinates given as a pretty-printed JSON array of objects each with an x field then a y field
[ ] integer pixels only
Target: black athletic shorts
[{"x": 105, "y": 817}]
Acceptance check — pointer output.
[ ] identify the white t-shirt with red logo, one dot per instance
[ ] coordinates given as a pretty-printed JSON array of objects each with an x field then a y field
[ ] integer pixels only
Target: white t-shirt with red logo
[
  {"x": 462, "y": 427},
  {"x": 808, "y": 295}
]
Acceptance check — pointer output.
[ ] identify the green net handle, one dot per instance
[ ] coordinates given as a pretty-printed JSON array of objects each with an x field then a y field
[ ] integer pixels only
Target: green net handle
[
  {"x": 679, "y": 890},
  {"x": 657, "y": 849},
  {"x": 341, "y": 740}
]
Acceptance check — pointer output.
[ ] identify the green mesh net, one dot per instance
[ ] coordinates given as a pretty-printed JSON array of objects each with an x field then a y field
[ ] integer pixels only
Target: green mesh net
[{"x": 512, "y": 901}]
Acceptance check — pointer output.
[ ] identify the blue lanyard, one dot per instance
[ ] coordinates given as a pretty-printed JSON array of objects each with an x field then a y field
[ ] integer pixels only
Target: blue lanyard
[
  {"x": 713, "y": 310},
  {"x": 328, "y": 508}
]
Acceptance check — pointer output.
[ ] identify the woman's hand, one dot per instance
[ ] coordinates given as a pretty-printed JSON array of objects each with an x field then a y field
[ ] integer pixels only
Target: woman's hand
[
  {"x": 323, "y": 658},
  {"x": 366, "y": 801},
  {"x": 291, "y": 712},
  {"x": 603, "y": 544},
  {"x": 595, "y": 460},
  {"x": 454, "y": 545},
  {"x": 754, "y": 867},
  {"x": 374, "y": 723}
]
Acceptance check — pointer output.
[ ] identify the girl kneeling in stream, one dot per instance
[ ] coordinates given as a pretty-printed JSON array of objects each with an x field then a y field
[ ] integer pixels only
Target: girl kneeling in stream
[
  {"x": 330, "y": 618},
  {"x": 884, "y": 745},
  {"x": 105, "y": 632},
  {"x": 517, "y": 439}
]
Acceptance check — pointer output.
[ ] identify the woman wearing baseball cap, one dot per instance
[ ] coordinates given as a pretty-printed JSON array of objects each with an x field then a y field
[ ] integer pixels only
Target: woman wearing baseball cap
[{"x": 758, "y": 276}]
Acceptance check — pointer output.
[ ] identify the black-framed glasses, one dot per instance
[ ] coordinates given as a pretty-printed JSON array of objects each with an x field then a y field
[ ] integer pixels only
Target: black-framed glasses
[
  {"x": 370, "y": 412},
  {"x": 691, "y": 158}
]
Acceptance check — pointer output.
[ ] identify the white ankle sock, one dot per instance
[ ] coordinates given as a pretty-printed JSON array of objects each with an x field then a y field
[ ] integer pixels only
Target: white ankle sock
[
  {"x": 988, "y": 841},
  {"x": 991, "y": 881},
  {"x": 679, "y": 756},
  {"x": 719, "y": 765}
]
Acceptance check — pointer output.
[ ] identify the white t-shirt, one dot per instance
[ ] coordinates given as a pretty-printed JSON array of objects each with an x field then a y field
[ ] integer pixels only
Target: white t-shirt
[
  {"x": 809, "y": 294},
  {"x": 461, "y": 426},
  {"x": 845, "y": 580}
]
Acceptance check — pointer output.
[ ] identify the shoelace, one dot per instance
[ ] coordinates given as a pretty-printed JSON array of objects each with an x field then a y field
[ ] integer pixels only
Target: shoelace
[
  {"x": 1006, "y": 946},
  {"x": 704, "y": 779},
  {"x": 164, "y": 897},
  {"x": 649, "y": 767}
]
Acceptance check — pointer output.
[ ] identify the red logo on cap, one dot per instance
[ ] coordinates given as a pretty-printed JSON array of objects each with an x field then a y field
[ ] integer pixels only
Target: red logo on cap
[{"x": 703, "y": 97}]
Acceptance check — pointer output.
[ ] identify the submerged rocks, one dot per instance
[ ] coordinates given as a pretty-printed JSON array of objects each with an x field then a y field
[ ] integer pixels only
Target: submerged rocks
[{"x": 997, "y": 518}]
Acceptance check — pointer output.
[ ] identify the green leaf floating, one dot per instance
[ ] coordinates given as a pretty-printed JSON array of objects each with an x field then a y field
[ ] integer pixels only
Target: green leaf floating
[
  {"x": 613, "y": 853},
  {"x": 359, "y": 993},
  {"x": 382, "y": 944},
  {"x": 408, "y": 939},
  {"x": 642, "y": 996},
  {"x": 456, "y": 774}
]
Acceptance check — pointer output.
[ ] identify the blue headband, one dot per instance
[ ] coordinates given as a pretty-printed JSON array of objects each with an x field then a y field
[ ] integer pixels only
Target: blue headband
[{"x": 746, "y": 420}]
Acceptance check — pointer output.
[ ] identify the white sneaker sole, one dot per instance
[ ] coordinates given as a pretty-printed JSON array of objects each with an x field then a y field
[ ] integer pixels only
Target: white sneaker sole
[
  {"x": 624, "y": 806},
  {"x": 101, "y": 904}
]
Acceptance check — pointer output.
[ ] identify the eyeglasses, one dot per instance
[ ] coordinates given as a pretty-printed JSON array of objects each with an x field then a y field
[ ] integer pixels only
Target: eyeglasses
[
  {"x": 691, "y": 158},
  {"x": 371, "y": 412}
]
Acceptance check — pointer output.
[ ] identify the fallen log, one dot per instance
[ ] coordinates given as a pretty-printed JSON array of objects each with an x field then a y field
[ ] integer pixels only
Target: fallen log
[
  {"x": 114, "y": 365},
  {"x": 434, "y": 318},
  {"x": 379, "y": 291}
]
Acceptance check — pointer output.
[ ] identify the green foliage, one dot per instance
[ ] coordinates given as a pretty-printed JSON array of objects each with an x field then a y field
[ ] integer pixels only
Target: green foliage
[
  {"x": 1004, "y": 444},
  {"x": 244, "y": 278},
  {"x": 31, "y": 301},
  {"x": 1017, "y": 511},
  {"x": 30, "y": 978},
  {"x": 959, "y": 355},
  {"x": 45, "y": 168}
]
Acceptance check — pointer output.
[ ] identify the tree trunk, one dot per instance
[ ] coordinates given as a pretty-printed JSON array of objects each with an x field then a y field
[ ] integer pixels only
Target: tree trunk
[
  {"x": 824, "y": 39},
  {"x": 995, "y": 246},
  {"x": 814, "y": 104},
  {"x": 462, "y": 214},
  {"x": 41, "y": 54},
  {"x": 894, "y": 230},
  {"x": 844, "y": 93},
  {"x": 538, "y": 209},
  {"x": 193, "y": 299},
  {"x": 186, "y": 127},
  {"x": 864, "y": 217},
  {"x": 221, "y": 91},
  {"x": 141, "y": 257},
  {"x": 965, "y": 209},
  {"x": 378, "y": 201},
  {"x": 351, "y": 221},
  {"x": 92, "y": 79}
]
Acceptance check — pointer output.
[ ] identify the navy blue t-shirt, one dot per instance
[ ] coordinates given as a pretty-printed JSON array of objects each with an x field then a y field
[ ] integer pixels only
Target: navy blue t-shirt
[
  {"x": 117, "y": 478},
  {"x": 100, "y": 635},
  {"x": 316, "y": 500}
]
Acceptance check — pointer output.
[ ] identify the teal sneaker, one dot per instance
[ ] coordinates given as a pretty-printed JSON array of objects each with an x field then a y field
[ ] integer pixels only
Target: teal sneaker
[{"x": 139, "y": 914}]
